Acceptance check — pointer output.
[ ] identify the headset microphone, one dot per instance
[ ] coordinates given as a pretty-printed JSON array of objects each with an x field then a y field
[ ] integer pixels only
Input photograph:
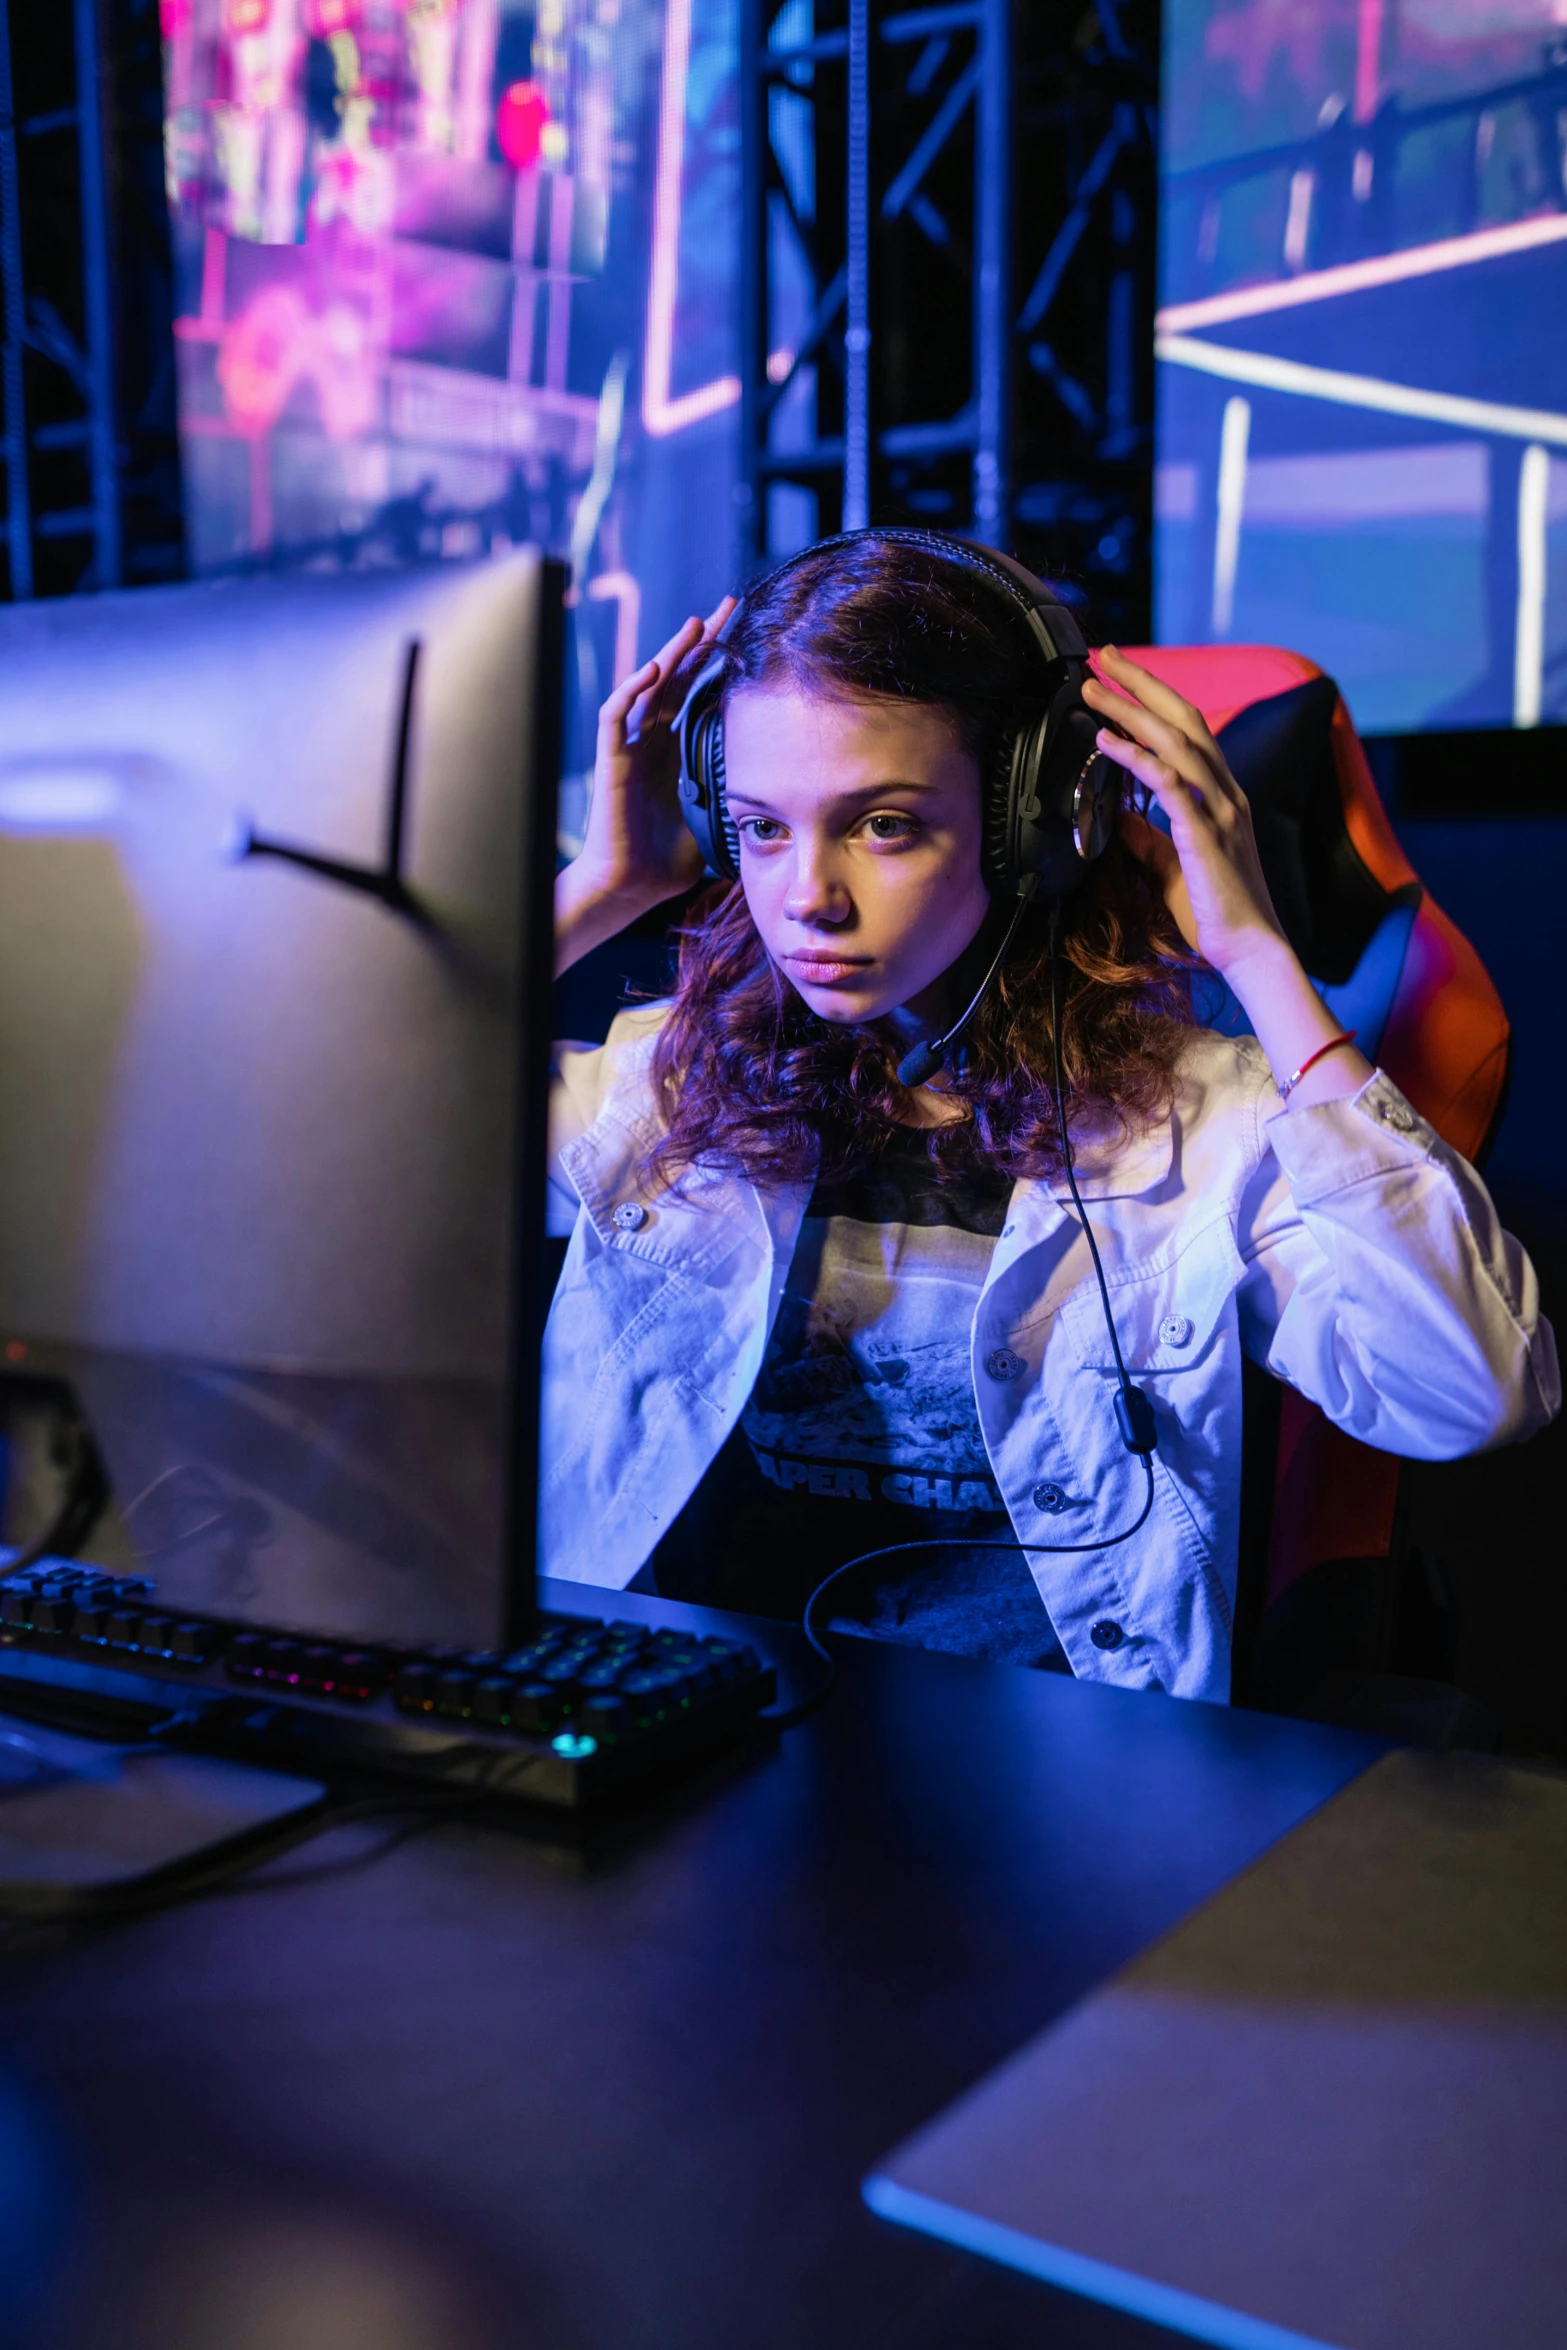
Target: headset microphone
[{"x": 921, "y": 1065}]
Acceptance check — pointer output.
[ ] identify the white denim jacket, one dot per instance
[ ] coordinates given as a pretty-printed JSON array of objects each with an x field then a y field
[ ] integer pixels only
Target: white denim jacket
[{"x": 1345, "y": 1247}]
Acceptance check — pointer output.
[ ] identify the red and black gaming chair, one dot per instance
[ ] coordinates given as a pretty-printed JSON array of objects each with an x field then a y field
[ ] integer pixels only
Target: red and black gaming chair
[{"x": 1335, "y": 1617}]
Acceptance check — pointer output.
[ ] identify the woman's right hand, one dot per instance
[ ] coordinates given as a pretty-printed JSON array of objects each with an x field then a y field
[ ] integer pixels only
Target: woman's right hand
[{"x": 637, "y": 850}]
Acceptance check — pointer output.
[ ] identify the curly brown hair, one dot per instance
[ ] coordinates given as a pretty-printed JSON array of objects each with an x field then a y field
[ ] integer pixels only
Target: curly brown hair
[{"x": 753, "y": 1081}]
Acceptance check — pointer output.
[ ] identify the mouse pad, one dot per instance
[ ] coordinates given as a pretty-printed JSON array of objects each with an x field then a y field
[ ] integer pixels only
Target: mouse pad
[
  {"x": 1329, "y": 2109},
  {"x": 77, "y": 1813}
]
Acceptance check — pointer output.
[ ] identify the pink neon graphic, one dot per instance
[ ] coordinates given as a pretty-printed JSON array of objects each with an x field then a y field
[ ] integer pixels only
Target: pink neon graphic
[
  {"x": 1368, "y": 60},
  {"x": 519, "y": 124},
  {"x": 660, "y": 413},
  {"x": 279, "y": 343},
  {"x": 1353, "y": 277},
  {"x": 262, "y": 358},
  {"x": 621, "y": 589}
]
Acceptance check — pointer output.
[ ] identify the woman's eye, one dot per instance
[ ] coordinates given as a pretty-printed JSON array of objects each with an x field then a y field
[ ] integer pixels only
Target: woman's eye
[
  {"x": 761, "y": 830},
  {"x": 891, "y": 827}
]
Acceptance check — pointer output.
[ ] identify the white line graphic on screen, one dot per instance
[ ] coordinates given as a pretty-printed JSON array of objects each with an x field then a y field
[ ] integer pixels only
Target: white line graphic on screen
[
  {"x": 1355, "y": 277},
  {"x": 1534, "y": 485},
  {"x": 660, "y": 413},
  {"x": 1361, "y": 391},
  {"x": 1234, "y": 441}
]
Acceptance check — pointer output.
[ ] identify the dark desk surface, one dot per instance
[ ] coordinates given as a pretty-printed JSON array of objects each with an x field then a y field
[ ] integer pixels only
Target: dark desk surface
[{"x": 487, "y": 2091}]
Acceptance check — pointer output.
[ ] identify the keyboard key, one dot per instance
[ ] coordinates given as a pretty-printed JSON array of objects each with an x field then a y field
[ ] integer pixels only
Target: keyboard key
[
  {"x": 413, "y": 1688},
  {"x": 526, "y": 1661},
  {"x": 454, "y": 1695},
  {"x": 538, "y": 1705},
  {"x": 605, "y": 1714},
  {"x": 492, "y": 1701},
  {"x": 360, "y": 1673}
]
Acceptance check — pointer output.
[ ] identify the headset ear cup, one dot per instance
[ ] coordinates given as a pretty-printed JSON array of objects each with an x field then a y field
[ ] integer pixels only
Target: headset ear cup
[
  {"x": 997, "y": 823},
  {"x": 1062, "y": 801},
  {"x": 702, "y": 802},
  {"x": 1034, "y": 830}
]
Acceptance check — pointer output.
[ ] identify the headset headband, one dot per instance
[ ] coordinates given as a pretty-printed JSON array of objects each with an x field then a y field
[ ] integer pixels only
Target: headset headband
[{"x": 1050, "y": 807}]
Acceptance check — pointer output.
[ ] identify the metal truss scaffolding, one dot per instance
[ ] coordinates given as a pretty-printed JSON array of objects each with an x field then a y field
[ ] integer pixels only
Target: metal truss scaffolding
[
  {"x": 91, "y": 480},
  {"x": 948, "y": 278}
]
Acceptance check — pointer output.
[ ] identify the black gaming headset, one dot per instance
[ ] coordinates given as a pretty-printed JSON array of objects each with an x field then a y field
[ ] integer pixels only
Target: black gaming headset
[{"x": 1050, "y": 804}]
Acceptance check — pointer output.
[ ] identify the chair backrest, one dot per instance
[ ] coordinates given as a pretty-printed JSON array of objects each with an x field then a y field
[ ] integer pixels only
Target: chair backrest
[{"x": 1398, "y": 971}]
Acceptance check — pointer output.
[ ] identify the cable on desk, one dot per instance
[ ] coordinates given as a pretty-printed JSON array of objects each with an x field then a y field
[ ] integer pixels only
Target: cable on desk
[{"x": 26, "y": 1909}]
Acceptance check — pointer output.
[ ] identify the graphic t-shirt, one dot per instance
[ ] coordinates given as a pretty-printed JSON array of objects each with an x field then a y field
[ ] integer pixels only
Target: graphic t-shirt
[{"x": 862, "y": 1431}]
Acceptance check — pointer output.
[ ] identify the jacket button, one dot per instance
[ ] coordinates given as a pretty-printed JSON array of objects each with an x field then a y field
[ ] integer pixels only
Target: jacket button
[
  {"x": 1106, "y": 1633},
  {"x": 1049, "y": 1497},
  {"x": 1004, "y": 1364},
  {"x": 630, "y": 1216},
  {"x": 1174, "y": 1330}
]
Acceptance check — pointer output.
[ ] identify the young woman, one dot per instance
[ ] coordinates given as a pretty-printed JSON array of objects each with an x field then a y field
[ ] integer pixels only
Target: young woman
[{"x": 809, "y": 1312}]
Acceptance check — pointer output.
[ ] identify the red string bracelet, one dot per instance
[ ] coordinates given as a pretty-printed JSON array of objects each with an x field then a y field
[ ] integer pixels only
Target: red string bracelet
[{"x": 1311, "y": 1060}]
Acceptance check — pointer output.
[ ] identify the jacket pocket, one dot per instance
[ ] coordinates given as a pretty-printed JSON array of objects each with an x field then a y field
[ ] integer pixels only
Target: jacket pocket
[{"x": 1169, "y": 1315}]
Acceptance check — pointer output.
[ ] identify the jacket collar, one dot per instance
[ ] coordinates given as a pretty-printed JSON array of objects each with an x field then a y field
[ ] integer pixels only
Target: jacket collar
[
  {"x": 1109, "y": 1168},
  {"x": 605, "y": 1162},
  {"x": 691, "y": 1223}
]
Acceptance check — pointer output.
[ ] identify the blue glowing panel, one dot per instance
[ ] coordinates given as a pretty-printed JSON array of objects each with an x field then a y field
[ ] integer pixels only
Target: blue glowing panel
[
  {"x": 458, "y": 274},
  {"x": 1362, "y": 433}
]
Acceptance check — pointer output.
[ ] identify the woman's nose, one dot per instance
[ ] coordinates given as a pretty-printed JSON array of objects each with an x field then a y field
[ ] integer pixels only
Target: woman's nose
[{"x": 815, "y": 892}]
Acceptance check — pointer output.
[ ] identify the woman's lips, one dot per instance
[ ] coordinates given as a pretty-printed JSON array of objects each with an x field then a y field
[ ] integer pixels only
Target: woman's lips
[{"x": 827, "y": 970}]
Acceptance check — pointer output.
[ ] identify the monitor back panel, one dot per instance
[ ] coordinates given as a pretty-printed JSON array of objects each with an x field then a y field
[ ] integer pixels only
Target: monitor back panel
[{"x": 260, "y": 1132}]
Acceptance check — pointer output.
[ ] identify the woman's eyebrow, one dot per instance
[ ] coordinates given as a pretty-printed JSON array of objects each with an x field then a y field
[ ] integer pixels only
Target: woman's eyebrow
[{"x": 852, "y": 797}]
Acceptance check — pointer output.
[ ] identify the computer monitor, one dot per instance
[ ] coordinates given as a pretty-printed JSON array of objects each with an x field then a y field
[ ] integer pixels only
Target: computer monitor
[{"x": 275, "y": 861}]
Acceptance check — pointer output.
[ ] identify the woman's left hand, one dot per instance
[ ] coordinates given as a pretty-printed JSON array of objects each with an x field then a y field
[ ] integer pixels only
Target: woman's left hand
[
  {"x": 1207, "y": 865},
  {"x": 1212, "y": 876}
]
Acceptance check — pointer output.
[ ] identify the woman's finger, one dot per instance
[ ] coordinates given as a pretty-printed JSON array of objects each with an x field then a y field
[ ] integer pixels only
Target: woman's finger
[
  {"x": 616, "y": 709},
  {"x": 657, "y": 707},
  {"x": 648, "y": 678},
  {"x": 674, "y": 650},
  {"x": 1126, "y": 680},
  {"x": 1187, "y": 755},
  {"x": 1153, "y": 693},
  {"x": 682, "y": 673},
  {"x": 1175, "y": 793}
]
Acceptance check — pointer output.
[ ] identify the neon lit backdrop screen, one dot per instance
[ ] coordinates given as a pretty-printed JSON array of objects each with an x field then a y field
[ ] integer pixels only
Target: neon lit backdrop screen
[
  {"x": 1362, "y": 431},
  {"x": 454, "y": 274}
]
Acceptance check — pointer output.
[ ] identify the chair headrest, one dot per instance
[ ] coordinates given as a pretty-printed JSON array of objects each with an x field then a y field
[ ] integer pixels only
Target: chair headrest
[{"x": 1280, "y": 751}]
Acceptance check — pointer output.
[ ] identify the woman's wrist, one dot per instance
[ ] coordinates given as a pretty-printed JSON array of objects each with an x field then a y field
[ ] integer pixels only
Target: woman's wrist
[
  {"x": 1292, "y": 1023},
  {"x": 589, "y": 909}
]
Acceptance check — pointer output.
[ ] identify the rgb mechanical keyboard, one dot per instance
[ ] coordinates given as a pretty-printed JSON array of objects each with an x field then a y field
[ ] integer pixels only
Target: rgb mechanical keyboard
[{"x": 580, "y": 1709}]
